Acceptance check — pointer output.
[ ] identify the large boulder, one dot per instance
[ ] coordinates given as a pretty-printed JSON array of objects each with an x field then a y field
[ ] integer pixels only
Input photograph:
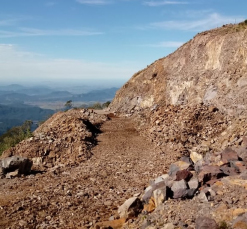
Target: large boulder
[{"x": 16, "y": 163}]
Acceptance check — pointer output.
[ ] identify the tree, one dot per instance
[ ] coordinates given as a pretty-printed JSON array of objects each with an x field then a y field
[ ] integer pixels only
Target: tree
[
  {"x": 15, "y": 135},
  {"x": 106, "y": 104},
  {"x": 68, "y": 105}
]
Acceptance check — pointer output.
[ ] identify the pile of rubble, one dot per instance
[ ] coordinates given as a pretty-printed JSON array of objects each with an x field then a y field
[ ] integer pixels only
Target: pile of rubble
[
  {"x": 179, "y": 130},
  {"x": 197, "y": 192},
  {"x": 65, "y": 138}
]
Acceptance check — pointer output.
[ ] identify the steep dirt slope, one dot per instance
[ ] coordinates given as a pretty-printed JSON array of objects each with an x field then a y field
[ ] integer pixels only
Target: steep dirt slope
[{"x": 211, "y": 68}]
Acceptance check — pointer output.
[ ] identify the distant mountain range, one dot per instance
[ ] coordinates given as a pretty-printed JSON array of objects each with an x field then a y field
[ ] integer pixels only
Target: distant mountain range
[
  {"x": 18, "y": 94},
  {"x": 17, "y": 114},
  {"x": 19, "y": 103}
]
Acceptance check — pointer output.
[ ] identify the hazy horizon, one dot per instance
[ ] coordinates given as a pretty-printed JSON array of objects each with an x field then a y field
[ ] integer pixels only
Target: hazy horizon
[{"x": 66, "y": 83}]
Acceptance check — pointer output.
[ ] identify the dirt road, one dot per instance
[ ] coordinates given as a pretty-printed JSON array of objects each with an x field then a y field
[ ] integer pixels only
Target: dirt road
[{"x": 123, "y": 162}]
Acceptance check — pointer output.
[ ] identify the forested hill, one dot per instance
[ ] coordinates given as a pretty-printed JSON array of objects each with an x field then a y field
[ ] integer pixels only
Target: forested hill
[{"x": 16, "y": 114}]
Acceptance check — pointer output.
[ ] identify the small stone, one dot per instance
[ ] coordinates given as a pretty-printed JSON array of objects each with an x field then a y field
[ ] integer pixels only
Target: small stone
[
  {"x": 168, "y": 226},
  {"x": 108, "y": 203},
  {"x": 12, "y": 174},
  {"x": 202, "y": 197},
  {"x": 195, "y": 157},
  {"x": 111, "y": 218},
  {"x": 205, "y": 223},
  {"x": 193, "y": 183},
  {"x": 22, "y": 223}
]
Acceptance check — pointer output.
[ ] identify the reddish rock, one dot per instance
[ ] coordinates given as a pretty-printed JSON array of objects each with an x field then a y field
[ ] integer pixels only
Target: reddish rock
[
  {"x": 209, "y": 172},
  {"x": 239, "y": 166},
  {"x": 183, "y": 175},
  {"x": 230, "y": 171},
  {"x": 229, "y": 155},
  {"x": 148, "y": 208}
]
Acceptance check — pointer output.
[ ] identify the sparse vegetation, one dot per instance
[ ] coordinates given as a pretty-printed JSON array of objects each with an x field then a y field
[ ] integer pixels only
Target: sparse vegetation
[
  {"x": 68, "y": 105},
  {"x": 99, "y": 106},
  {"x": 241, "y": 26},
  {"x": 15, "y": 135},
  {"x": 223, "y": 225}
]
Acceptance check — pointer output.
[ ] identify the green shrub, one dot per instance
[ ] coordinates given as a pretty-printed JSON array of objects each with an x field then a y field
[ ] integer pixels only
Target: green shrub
[
  {"x": 106, "y": 104},
  {"x": 15, "y": 135},
  {"x": 96, "y": 106},
  {"x": 223, "y": 225}
]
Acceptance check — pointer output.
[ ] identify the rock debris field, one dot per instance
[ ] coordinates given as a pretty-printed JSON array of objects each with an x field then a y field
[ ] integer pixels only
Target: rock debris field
[
  {"x": 76, "y": 192},
  {"x": 83, "y": 169}
]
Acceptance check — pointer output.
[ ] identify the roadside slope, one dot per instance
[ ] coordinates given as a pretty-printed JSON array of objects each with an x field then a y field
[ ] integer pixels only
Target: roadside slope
[{"x": 78, "y": 195}]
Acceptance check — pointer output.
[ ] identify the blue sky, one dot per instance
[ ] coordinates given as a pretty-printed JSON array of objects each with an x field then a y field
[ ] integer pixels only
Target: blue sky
[{"x": 102, "y": 41}]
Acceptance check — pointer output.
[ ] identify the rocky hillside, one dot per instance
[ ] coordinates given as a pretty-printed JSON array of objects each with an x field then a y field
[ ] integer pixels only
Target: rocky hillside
[
  {"x": 211, "y": 69},
  {"x": 173, "y": 154}
]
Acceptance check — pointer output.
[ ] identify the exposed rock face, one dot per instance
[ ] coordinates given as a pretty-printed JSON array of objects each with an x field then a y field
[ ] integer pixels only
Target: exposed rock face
[{"x": 209, "y": 69}]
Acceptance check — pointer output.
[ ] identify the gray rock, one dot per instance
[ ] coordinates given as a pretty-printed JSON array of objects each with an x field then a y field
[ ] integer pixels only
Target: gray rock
[
  {"x": 179, "y": 189},
  {"x": 148, "y": 194},
  {"x": 131, "y": 208},
  {"x": 181, "y": 193},
  {"x": 202, "y": 197},
  {"x": 179, "y": 165},
  {"x": 205, "y": 223},
  {"x": 178, "y": 185},
  {"x": 190, "y": 193},
  {"x": 187, "y": 160},
  {"x": 173, "y": 170},
  {"x": 160, "y": 195},
  {"x": 207, "y": 194},
  {"x": 11, "y": 164},
  {"x": 193, "y": 183},
  {"x": 150, "y": 189},
  {"x": 198, "y": 165},
  {"x": 243, "y": 175}
]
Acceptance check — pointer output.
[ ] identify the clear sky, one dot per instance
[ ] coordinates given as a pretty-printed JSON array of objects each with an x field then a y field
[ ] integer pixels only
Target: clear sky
[{"x": 76, "y": 41}]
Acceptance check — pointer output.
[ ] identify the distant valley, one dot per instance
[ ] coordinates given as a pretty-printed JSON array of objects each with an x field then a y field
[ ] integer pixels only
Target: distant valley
[{"x": 19, "y": 103}]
